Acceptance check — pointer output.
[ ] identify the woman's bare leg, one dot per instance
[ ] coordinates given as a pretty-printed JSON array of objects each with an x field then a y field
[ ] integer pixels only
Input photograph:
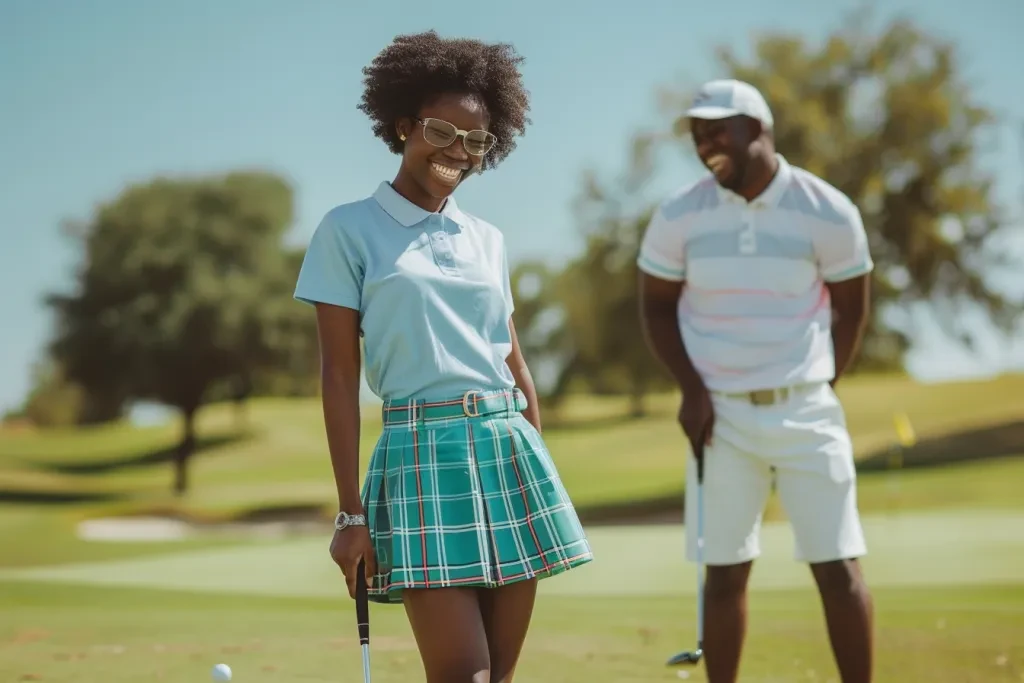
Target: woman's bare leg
[
  {"x": 506, "y": 619},
  {"x": 449, "y": 633}
]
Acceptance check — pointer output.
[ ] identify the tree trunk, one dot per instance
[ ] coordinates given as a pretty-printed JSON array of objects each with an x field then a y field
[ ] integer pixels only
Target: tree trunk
[
  {"x": 638, "y": 390},
  {"x": 185, "y": 451},
  {"x": 243, "y": 387},
  {"x": 241, "y": 413}
]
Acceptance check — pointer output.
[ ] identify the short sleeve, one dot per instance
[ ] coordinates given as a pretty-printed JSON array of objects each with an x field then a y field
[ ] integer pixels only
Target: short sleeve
[
  {"x": 506, "y": 282},
  {"x": 331, "y": 271},
  {"x": 842, "y": 247},
  {"x": 662, "y": 254}
]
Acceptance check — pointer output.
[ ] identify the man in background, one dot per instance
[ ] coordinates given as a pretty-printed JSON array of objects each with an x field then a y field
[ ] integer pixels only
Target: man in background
[{"x": 755, "y": 293}]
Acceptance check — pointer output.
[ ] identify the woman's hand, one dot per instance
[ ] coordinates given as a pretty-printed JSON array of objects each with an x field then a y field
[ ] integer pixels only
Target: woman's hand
[{"x": 348, "y": 547}]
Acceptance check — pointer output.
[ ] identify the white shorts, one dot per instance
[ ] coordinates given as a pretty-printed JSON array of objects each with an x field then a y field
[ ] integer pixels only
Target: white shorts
[{"x": 804, "y": 437}]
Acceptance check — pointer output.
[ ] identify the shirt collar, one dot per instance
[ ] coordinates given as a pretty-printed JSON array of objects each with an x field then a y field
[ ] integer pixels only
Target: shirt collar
[
  {"x": 407, "y": 213},
  {"x": 772, "y": 194}
]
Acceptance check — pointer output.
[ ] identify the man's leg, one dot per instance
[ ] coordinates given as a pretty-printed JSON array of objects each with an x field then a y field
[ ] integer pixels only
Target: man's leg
[
  {"x": 725, "y": 621},
  {"x": 736, "y": 490},
  {"x": 849, "y": 613},
  {"x": 817, "y": 485}
]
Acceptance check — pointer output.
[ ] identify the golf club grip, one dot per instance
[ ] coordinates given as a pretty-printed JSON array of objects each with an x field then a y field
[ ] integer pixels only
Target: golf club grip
[
  {"x": 698, "y": 454},
  {"x": 362, "y": 605}
]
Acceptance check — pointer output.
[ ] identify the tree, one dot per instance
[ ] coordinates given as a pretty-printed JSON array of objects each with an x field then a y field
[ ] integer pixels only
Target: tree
[
  {"x": 183, "y": 288},
  {"x": 541, "y": 330},
  {"x": 602, "y": 284},
  {"x": 52, "y": 401},
  {"x": 587, "y": 311},
  {"x": 888, "y": 118},
  {"x": 296, "y": 371}
]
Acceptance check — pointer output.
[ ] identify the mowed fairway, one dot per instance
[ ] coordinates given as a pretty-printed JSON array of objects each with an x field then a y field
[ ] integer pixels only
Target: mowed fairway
[
  {"x": 949, "y": 592},
  {"x": 278, "y": 458}
]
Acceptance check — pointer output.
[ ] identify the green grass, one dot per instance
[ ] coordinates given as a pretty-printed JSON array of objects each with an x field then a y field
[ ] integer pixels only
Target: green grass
[
  {"x": 951, "y": 547},
  {"x": 947, "y": 544},
  {"x": 949, "y": 600},
  {"x": 42, "y": 536},
  {"x": 975, "y": 486},
  {"x": 108, "y": 635},
  {"x": 281, "y": 459}
]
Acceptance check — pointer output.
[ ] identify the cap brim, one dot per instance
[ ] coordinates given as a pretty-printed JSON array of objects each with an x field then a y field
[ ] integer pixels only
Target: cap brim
[{"x": 711, "y": 113}]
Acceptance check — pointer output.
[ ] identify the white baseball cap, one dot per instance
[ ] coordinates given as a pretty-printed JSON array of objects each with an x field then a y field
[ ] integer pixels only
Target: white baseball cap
[{"x": 723, "y": 98}]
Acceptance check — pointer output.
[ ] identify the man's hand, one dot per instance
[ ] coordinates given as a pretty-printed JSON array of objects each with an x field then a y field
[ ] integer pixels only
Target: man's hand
[{"x": 697, "y": 418}]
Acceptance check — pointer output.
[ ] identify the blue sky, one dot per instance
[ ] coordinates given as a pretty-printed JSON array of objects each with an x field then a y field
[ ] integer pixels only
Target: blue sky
[{"x": 96, "y": 95}]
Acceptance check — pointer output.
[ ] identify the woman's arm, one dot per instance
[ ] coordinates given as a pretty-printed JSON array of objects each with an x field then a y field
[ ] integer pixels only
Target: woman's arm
[
  {"x": 338, "y": 332},
  {"x": 524, "y": 380}
]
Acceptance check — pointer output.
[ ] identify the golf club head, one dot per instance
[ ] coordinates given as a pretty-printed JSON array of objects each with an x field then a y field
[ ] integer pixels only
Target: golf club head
[{"x": 685, "y": 658}]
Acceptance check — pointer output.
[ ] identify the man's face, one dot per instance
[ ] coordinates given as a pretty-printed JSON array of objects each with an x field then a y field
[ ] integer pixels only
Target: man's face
[{"x": 724, "y": 147}]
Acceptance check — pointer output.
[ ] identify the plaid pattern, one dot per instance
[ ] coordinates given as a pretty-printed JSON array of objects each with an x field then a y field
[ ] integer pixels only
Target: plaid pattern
[{"x": 453, "y": 500}]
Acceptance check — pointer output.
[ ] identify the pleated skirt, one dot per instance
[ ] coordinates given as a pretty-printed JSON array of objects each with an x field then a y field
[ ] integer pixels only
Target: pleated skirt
[{"x": 466, "y": 495}]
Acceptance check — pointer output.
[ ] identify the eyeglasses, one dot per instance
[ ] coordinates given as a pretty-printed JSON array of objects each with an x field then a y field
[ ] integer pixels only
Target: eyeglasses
[{"x": 441, "y": 134}]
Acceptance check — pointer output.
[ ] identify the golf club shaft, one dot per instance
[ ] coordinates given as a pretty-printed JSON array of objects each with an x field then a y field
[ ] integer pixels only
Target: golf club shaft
[
  {"x": 366, "y": 663},
  {"x": 700, "y": 549},
  {"x": 693, "y": 657}
]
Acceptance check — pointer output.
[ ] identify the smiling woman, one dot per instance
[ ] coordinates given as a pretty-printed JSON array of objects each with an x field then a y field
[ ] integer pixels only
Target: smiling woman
[
  {"x": 424, "y": 92},
  {"x": 462, "y": 510}
]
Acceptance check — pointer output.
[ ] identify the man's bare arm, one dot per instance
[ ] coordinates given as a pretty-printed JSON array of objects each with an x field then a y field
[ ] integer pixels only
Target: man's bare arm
[
  {"x": 851, "y": 303},
  {"x": 659, "y": 317}
]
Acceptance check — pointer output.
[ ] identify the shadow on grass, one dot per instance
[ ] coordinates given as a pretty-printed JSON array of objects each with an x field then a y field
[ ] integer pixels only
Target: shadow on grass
[
  {"x": 667, "y": 509},
  {"x": 31, "y": 497},
  {"x": 984, "y": 443},
  {"x": 135, "y": 461},
  {"x": 283, "y": 513},
  {"x": 974, "y": 445},
  {"x": 576, "y": 424}
]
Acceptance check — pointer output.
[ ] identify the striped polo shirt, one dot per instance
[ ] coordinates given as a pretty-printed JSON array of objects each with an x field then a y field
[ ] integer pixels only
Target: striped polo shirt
[{"x": 755, "y": 312}]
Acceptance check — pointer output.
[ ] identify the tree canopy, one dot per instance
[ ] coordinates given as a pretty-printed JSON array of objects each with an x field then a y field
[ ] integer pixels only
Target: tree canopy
[
  {"x": 184, "y": 289},
  {"x": 884, "y": 115}
]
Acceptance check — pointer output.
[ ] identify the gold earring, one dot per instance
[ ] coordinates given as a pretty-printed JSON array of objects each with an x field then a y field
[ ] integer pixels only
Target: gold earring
[{"x": 402, "y": 137}]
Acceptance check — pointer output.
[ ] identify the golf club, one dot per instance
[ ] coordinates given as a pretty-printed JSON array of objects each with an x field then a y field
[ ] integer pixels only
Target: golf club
[
  {"x": 363, "y": 619},
  {"x": 694, "y": 656}
]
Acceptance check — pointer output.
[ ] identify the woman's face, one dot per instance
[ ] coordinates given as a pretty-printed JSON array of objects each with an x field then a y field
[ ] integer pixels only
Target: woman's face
[{"x": 436, "y": 157}]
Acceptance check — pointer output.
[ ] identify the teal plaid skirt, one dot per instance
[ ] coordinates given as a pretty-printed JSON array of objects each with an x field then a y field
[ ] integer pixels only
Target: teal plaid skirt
[{"x": 464, "y": 493}]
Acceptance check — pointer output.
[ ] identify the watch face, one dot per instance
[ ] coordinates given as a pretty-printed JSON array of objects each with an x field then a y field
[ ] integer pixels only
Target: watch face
[{"x": 345, "y": 520}]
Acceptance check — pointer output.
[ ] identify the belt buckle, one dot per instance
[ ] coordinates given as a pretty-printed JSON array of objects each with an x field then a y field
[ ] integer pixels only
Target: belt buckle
[
  {"x": 465, "y": 403},
  {"x": 762, "y": 397}
]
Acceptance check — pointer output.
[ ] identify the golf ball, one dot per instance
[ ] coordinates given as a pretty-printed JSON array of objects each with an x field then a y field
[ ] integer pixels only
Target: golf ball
[{"x": 221, "y": 672}]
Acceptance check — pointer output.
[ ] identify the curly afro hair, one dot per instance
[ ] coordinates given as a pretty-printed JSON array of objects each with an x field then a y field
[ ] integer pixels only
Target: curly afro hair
[{"x": 415, "y": 68}]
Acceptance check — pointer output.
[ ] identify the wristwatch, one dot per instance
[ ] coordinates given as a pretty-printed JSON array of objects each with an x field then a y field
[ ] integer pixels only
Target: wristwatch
[{"x": 344, "y": 520}]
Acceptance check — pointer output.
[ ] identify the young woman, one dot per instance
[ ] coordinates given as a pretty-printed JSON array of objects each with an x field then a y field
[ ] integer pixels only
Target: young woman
[{"x": 462, "y": 510}]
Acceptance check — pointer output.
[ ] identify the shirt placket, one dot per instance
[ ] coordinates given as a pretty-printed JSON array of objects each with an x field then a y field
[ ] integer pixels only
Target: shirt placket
[
  {"x": 442, "y": 247},
  {"x": 748, "y": 233}
]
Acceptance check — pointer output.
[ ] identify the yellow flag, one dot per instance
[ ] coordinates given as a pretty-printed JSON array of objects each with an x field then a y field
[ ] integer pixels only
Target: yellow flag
[{"x": 904, "y": 430}]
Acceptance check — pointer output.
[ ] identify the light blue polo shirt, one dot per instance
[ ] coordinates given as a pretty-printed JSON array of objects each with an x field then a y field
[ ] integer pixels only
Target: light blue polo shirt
[{"x": 432, "y": 291}]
